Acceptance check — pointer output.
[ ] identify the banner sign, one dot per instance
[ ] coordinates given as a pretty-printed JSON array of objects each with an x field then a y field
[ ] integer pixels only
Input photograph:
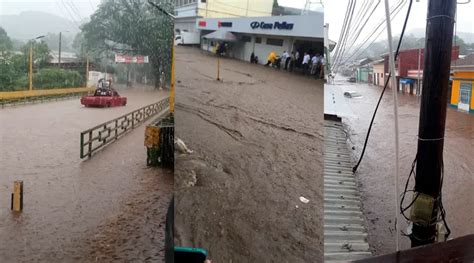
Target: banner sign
[{"x": 119, "y": 58}]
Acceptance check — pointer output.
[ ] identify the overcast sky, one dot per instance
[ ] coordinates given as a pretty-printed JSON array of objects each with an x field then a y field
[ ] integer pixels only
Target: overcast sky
[
  {"x": 334, "y": 11},
  {"x": 86, "y": 7}
]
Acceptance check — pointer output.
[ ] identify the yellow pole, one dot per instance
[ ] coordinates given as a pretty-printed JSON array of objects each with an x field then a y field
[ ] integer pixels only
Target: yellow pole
[
  {"x": 172, "y": 81},
  {"x": 87, "y": 70},
  {"x": 31, "y": 68},
  {"x": 218, "y": 66},
  {"x": 17, "y": 196}
]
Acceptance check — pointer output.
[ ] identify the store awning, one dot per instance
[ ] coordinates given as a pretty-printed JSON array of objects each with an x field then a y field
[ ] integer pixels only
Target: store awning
[
  {"x": 407, "y": 81},
  {"x": 221, "y": 36}
]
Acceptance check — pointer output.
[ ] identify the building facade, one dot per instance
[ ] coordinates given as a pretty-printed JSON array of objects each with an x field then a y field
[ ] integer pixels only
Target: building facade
[
  {"x": 462, "y": 91},
  {"x": 378, "y": 75},
  {"x": 262, "y": 35},
  {"x": 407, "y": 66},
  {"x": 188, "y": 11}
]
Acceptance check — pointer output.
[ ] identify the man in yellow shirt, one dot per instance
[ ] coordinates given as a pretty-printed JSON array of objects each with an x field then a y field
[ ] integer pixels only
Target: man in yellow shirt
[{"x": 271, "y": 58}]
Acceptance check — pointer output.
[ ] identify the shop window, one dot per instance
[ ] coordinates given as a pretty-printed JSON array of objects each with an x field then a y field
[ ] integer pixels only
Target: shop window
[
  {"x": 258, "y": 40},
  {"x": 275, "y": 42},
  {"x": 246, "y": 39},
  {"x": 465, "y": 92}
]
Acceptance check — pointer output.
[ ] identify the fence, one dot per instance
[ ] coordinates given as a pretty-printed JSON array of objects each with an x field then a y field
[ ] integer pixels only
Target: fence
[
  {"x": 101, "y": 135},
  {"x": 9, "y": 98}
]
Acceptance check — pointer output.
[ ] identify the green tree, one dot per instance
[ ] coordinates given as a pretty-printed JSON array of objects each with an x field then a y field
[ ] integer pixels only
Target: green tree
[
  {"x": 132, "y": 27},
  {"x": 5, "y": 41},
  {"x": 41, "y": 52}
]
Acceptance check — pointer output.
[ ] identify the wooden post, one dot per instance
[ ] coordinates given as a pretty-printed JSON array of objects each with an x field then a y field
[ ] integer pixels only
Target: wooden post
[
  {"x": 30, "y": 86},
  {"x": 172, "y": 81},
  {"x": 87, "y": 70},
  {"x": 17, "y": 196},
  {"x": 218, "y": 68}
]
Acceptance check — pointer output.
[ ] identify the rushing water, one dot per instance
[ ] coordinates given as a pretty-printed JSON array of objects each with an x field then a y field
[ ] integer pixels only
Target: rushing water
[
  {"x": 376, "y": 171},
  {"x": 67, "y": 200}
]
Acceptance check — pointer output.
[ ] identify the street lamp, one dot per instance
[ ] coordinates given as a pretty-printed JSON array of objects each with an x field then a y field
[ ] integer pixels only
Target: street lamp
[
  {"x": 59, "y": 55},
  {"x": 172, "y": 56},
  {"x": 30, "y": 88}
]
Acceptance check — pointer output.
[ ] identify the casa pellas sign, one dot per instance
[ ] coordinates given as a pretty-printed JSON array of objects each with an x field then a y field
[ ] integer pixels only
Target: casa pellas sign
[{"x": 276, "y": 25}]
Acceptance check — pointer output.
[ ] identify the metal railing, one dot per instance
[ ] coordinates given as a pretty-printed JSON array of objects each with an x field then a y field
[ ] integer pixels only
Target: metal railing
[{"x": 103, "y": 134}]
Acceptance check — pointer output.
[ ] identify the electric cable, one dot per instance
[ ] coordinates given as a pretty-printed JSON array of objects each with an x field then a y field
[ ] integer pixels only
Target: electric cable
[
  {"x": 354, "y": 169},
  {"x": 343, "y": 32},
  {"x": 394, "y": 13}
]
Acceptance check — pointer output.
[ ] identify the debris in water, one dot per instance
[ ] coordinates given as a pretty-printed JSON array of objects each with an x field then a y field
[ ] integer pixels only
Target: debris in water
[
  {"x": 304, "y": 200},
  {"x": 180, "y": 146}
]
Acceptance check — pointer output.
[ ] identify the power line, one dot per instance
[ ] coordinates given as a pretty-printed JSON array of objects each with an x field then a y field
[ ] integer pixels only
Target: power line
[
  {"x": 336, "y": 66},
  {"x": 344, "y": 39},
  {"x": 354, "y": 169},
  {"x": 396, "y": 12},
  {"x": 341, "y": 35}
]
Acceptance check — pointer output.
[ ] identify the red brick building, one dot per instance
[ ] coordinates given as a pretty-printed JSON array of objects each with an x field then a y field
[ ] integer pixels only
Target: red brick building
[{"x": 407, "y": 65}]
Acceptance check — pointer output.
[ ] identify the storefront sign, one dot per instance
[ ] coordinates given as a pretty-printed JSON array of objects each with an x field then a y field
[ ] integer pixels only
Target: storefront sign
[
  {"x": 130, "y": 59},
  {"x": 276, "y": 25},
  {"x": 224, "y": 24}
]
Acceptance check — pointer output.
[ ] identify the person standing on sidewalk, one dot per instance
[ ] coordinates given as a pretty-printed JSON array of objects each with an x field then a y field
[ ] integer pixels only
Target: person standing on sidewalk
[
  {"x": 305, "y": 63},
  {"x": 286, "y": 58},
  {"x": 322, "y": 63},
  {"x": 292, "y": 61},
  {"x": 314, "y": 64}
]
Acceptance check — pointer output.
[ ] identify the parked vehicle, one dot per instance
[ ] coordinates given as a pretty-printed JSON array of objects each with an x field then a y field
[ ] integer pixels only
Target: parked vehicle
[
  {"x": 352, "y": 79},
  {"x": 187, "y": 38},
  {"x": 352, "y": 94}
]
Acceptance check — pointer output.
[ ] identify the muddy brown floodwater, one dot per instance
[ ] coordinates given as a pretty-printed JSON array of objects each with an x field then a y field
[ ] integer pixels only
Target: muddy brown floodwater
[
  {"x": 110, "y": 207},
  {"x": 376, "y": 171},
  {"x": 257, "y": 139}
]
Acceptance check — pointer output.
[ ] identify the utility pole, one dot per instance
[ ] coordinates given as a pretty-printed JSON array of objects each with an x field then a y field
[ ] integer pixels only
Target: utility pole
[{"x": 429, "y": 168}]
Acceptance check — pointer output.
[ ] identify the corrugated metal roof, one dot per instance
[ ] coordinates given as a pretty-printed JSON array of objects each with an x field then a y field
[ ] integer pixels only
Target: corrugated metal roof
[{"x": 345, "y": 236}]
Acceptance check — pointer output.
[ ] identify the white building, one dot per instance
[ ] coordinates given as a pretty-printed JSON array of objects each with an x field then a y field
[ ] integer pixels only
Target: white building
[
  {"x": 188, "y": 11},
  {"x": 262, "y": 35}
]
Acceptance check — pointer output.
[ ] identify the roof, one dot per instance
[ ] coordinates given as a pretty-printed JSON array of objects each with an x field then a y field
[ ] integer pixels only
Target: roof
[
  {"x": 221, "y": 35},
  {"x": 466, "y": 61},
  {"x": 284, "y": 26}
]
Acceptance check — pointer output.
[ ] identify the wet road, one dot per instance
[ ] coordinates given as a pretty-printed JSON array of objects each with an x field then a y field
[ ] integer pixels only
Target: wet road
[
  {"x": 257, "y": 139},
  {"x": 376, "y": 170},
  {"x": 109, "y": 207}
]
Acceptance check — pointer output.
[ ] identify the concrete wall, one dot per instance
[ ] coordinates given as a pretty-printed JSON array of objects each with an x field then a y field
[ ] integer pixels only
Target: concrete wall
[{"x": 235, "y": 8}]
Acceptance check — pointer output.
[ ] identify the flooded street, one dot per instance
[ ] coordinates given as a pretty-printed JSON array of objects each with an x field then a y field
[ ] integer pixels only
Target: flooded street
[
  {"x": 109, "y": 207},
  {"x": 376, "y": 171},
  {"x": 257, "y": 138}
]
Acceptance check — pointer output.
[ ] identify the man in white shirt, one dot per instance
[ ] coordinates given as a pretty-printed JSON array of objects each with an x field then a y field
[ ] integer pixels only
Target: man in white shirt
[
  {"x": 314, "y": 63},
  {"x": 305, "y": 63},
  {"x": 286, "y": 58}
]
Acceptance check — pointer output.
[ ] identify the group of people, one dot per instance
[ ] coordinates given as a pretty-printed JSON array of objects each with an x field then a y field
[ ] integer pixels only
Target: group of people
[{"x": 309, "y": 63}]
